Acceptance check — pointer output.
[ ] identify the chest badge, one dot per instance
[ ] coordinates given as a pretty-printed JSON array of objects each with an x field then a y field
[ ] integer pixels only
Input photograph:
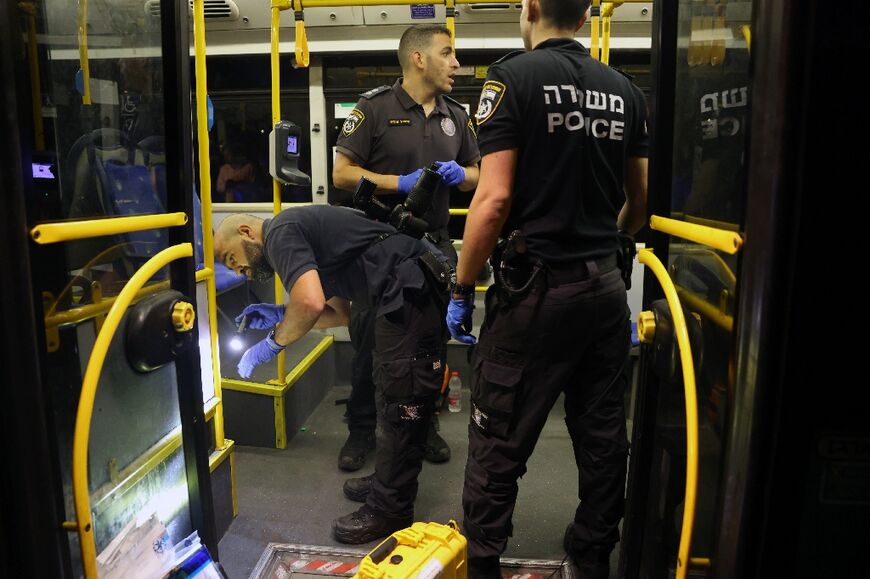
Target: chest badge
[{"x": 448, "y": 126}]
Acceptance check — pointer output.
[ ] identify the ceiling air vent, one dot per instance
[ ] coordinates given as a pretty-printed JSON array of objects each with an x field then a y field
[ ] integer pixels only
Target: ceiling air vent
[
  {"x": 219, "y": 9},
  {"x": 494, "y": 7},
  {"x": 214, "y": 9}
]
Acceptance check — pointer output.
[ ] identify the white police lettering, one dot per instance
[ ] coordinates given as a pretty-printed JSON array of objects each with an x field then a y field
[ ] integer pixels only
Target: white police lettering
[
  {"x": 582, "y": 117},
  {"x": 718, "y": 118}
]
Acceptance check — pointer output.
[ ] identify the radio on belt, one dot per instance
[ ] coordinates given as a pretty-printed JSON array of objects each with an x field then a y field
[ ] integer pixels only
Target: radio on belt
[{"x": 284, "y": 143}]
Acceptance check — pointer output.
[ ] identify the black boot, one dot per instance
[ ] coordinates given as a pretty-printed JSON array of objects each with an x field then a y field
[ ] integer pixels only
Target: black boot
[
  {"x": 358, "y": 489},
  {"x": 436, "y": 447},
  {"x": 484, "y": 568},
  {"x": 358, "y": 445},
  {"x": 592, "y": 562},
  {"x": 366, "y": 525}
]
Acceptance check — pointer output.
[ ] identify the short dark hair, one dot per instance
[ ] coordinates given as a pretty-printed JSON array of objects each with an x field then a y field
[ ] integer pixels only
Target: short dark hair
[
  {"x": 418, "y": 37},
  {"x": 564, "y": 13}
]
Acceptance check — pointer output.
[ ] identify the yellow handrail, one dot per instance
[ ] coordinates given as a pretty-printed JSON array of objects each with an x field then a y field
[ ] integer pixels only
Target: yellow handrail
[
  {"x": 82, "y": 432},
  {"x": 46, "y": 233},
  {"x": 458, "y": 211},
  {"x": 83, "y": 313},
  {"x": 606, "y": 14},
  {"x": 728, "y": 241},
  {"x": 83, "y": 51},
  {"x": 277, "y": 6},
  {"x": 649, "y": 259},
  {"x": 300, "y": 46},
  {"x": 205, "y": 198}
]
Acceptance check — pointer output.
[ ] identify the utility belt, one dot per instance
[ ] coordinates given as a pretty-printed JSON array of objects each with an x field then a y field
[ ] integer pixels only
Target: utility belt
[
  {"x": 579, "y": 271},
  {"x": 516, "y": 273},
  {"x": 436, "y": 236}
]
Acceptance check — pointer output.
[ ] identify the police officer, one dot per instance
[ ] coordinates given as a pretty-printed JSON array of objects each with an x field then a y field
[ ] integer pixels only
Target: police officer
[
  {"x": 393, "y": 133},
  {"x": 564, "y": 168},
  {"x": 326, "y": 256}
]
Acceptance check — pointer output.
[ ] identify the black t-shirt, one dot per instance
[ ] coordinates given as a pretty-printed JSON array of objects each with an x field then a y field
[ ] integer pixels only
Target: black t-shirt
[
  {"x": 342, "y": 245},
  {"x": 574, "y": 121},
  {"x": 388, "y": 133}
]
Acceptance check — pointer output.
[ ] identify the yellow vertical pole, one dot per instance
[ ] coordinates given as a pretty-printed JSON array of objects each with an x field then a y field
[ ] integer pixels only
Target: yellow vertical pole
[
  {"x": 451, "y": 22},
  {"x": 35, "y": 85},
  {"x": 593, "y": 33},
  {"x": 205, "y": 194},
  {"x": 83, "y": 51},
  {"x": 606, "y": 13},
  {"x": 276, "y": 116}
]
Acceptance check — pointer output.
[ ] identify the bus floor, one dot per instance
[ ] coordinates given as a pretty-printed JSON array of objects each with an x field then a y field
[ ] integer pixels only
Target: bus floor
[{"x": 293, "y": 495}]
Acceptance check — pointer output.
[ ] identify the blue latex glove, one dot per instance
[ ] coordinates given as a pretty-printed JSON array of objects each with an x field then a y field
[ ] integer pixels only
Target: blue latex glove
[
  {"x": 262, "y": 316},
  {"x": 259, "y": 353},
  {"x": 406, "y": 182},
  {"x": 459, "y": 319},
  {"x": 451, "y": 172}
]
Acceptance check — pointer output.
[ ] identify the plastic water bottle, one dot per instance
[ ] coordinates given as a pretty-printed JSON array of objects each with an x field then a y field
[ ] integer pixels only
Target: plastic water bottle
[{"x": 454, "y": 393}]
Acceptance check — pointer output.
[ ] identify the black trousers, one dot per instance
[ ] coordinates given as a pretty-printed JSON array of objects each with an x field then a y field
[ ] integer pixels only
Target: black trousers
[
  {"x": 361, "y": 410},
  {"x": 409, "y": 358},
  {"x": 572, "y": 338}
]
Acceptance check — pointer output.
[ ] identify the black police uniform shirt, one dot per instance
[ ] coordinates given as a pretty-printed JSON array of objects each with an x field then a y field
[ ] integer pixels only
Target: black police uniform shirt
[
  {"x": 388, "y": 133},
  {"x": 342, "y": 245},
  {"x": 573, "y": 121}
]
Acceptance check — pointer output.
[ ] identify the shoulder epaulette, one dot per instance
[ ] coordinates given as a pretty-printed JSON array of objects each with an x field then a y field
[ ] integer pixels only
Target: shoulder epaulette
[
  {"x": 454, "y": 101},
  {"x": 509, "y": 55},
  {"x": 623, "y": 73},
  {"x": 375, "y": 91}
]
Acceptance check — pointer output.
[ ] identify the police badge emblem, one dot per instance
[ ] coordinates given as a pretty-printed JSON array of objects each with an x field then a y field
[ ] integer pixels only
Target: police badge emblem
[
  {"x": 352, "y": 122},
  {"x": 490, "y": 97},
  {"x": 448, "y": 126}
]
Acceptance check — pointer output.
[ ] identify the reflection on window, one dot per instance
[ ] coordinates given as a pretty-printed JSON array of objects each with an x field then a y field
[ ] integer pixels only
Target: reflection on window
[
  {"x": 239, "y": 148},
  {"x": 711, "y": 112}
]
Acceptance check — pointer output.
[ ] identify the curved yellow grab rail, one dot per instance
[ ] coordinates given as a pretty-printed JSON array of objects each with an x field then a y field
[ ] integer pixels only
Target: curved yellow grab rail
[
  {"x": 648, "y": 258},
  {"x": 728, "y": 241},
  {"x": 205, "y": 198},
  {"x": 300, "y": 46},
  {"x": 83, "y": 51},
  {"x": 82, "y": 433},
  {"x": 46, "y": 233}
]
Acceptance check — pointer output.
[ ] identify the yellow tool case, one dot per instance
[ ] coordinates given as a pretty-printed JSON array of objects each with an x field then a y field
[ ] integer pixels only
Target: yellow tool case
[{"x": 423, "y": 550}]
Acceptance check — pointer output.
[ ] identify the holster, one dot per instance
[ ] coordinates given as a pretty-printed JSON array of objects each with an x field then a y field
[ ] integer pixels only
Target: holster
[
  {"x": 515, "y": 273},
  {"x": 625, "y": 256},
  {"x": 439, "y": 272}
]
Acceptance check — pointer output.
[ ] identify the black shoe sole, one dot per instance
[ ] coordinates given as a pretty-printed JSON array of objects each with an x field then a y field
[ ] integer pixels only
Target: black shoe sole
[
  {"x": 359, "y": 537},
  {"x": 356, "y": 496},
  {"x": 351, "y": 467},
  {"x": 437, "y": 458}
]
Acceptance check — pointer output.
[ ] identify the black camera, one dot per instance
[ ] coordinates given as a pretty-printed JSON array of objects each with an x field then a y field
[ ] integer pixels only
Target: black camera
[{"x": 406, "y": 217}]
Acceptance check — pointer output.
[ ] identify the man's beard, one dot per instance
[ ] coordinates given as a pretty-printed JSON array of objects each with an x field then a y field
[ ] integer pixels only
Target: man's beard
[{"x": 257, "y": 264}]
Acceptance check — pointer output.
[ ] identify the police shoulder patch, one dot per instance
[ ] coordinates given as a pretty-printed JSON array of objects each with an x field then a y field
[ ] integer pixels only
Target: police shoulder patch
[
  {"x": 490, "y": 97},
  {"x": 375, "y": 91},
  {"x": 352, "y": 122}
]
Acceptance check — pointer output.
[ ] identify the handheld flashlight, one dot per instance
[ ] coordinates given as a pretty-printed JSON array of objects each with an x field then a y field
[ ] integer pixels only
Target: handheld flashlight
[{"x": 238, "y": 342}]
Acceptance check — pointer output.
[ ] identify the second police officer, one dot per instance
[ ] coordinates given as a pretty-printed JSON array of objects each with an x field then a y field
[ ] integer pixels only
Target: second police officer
[
  {"x": 391, "y": 134},
  {"x": 564, "y": 169}
]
